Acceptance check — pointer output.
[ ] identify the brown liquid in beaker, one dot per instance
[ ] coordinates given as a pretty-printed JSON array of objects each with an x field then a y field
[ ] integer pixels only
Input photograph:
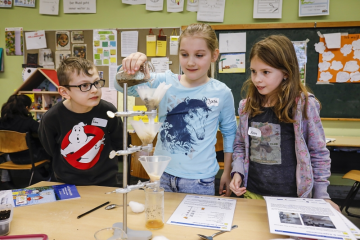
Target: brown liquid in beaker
[{"x": 154, "y": 224}]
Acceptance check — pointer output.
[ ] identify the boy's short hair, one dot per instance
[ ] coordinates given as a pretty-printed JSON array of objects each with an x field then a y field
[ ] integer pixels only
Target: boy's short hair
[{"x": 71, "y": 64}]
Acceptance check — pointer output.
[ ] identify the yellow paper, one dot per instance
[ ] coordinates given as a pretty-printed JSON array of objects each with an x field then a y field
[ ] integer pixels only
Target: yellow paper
[
  {"x": 151, "y": 45},
  {"x": 161, "y": 48},
  {"x": 143, "y": 118},
  {"x": 113, "y": 60},
  {"x": 112, "y": 51},
  {"x": 99, "y": 50}
]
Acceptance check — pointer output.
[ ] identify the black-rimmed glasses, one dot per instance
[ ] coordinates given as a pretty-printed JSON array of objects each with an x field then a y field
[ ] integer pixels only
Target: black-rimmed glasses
[{"x": 87, "y": 86}]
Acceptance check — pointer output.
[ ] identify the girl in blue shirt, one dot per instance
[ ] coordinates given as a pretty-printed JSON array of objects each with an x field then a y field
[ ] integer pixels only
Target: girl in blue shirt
[{"x": 192, "y": 111}]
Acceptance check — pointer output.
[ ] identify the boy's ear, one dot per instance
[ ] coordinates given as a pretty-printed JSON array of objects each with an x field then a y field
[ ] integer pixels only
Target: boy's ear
[
  {"x": 63, "y": 91},
  {"x": 215, "y": 55}
]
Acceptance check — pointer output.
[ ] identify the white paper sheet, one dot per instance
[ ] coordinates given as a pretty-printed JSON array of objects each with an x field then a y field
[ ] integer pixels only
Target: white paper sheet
[
  {"x": 49, "y": 7},
  {"x": 134, "y": 2},
  {"x": 267, "y": 9},
  {"x": 79, "y": 6},
  {"x": 305, "y": 217},
  {"x": 35, "y": 40},
  {"x": 211, "y": 10},
  {"x": 333, "y": 40},
  {"x": 232, "y": 42},
  {"x": 175, "y": 5},
  {"x": 161, "y": 64},
  {"x": 129, "y": 42},
  {"x": 204, "y": 212},
  {"x": 354, "y": 230},
  {"x": 112, "y": 76},
  {"x": 109, "y": 95},
  {"x": 192, "y": 5},
  {"x": 105, "y": 47},
  {"x": 314, "y": 8},
  {"x": 152, "y": 5},
  {"x": 174, "y": 45}
]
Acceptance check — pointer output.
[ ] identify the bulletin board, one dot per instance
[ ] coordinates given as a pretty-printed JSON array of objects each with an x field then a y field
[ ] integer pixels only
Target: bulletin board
[
  {"x": 339, "y": 100},
  {"x": 88, "y": 40}
]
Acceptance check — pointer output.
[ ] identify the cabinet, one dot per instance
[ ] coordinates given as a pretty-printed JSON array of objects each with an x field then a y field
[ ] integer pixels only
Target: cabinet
[{"x": 42, "y": 87}]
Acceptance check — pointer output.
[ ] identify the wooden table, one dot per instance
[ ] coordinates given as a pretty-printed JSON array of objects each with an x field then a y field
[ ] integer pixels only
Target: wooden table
[
  {"x": 59, "y": 219},
  {"x": 344, "y": 141}
]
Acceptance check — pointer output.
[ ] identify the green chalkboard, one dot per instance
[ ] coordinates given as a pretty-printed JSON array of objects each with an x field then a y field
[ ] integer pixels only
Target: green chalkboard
[{"x": 339, "y": 100}]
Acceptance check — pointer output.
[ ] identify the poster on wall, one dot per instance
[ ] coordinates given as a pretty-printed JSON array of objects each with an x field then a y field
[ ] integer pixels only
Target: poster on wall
[
  {"x": 211, "y": 11},
  {"x": 301, "y": 55},
  {"x": 6, "y": 4},
  {"x": 105, "y": 47},
  {"x": 267, "y": 9},
  {"x": 79, "y": 6},
  {"x": 14, "y": 41},
  {"x": 314, "y": 8},
  {"x": 24, "y": 3},
  {"x": 49, "y": 7},
  {"x": 232, "y": 63},
  {"x": 62, "y": 39},
  {"x": 339, "y": 65}
]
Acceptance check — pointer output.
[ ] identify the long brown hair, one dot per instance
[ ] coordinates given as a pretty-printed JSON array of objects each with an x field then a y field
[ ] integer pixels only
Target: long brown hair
[{"x": 278, "y": 52}]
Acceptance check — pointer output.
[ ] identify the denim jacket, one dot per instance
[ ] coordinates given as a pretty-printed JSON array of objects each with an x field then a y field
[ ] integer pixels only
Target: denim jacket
[{"x": 313, "y": 158}]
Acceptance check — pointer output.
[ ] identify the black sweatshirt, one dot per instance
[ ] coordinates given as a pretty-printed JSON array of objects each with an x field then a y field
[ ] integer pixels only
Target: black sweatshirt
[{"x": 80, "y": 143}]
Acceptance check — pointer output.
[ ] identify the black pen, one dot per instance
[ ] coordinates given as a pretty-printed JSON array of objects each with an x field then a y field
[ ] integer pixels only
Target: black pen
[{"x": 93, "y": 209}]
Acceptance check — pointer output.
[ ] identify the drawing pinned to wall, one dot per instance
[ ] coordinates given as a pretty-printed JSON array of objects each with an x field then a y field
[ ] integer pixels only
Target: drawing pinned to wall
[
  {"x": 6, "y": 3},
  {"x": 14, "y": 41},
  {"x": 313, "y": 8},
  {"x": 77, "y": 37},
  {"x": 301, "y": 54},
  {"x": 62, "y": 39},
  {"x": 79, "y": 50},
  {"x": 49, "y": 7},
  {"x": 24, "y": 3},
  {"x": 339, "y": 65},
  {"x": 60, "y": 56},
  {"x": 175, "y": 5},
  {"x": 267, "y": 9},
  {"x": 211, "y": 11},
  {"x": 232, "y": 63},
  {"x": 192, "y": 5},
  {"x": 154, "y": 5}
]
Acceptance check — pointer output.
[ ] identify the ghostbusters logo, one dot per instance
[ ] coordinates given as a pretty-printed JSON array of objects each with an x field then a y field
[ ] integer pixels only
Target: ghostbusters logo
[{"x": 82, "y": 146}]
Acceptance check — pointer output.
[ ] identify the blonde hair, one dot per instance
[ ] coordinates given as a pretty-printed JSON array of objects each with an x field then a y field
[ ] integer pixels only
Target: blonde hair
[
  {"x": 278, "y": 52},
  {"x": 71, "y": 64},
  {"x": 203, "y": 31}
]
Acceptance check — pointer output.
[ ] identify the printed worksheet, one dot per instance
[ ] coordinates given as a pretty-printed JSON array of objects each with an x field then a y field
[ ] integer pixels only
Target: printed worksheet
[
  {"x": 307, "y": 218},
  {"x": 204, "y": 212}
]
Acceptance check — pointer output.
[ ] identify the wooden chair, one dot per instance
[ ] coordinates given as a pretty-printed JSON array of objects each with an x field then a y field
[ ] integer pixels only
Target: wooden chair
[
  {"x": 353, "y": 175},
  {"x": 11, "y": 142}
]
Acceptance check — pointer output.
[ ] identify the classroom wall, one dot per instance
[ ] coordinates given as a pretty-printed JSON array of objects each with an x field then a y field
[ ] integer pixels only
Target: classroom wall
[{"x": 114, "y": 14}]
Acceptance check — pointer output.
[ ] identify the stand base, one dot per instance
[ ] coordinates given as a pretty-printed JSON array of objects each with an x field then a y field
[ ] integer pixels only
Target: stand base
[{"x": 135, "y": 234}]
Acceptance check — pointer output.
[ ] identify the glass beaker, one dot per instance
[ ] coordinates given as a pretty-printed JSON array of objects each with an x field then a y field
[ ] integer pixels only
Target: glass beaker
[
  {"x": 141, "y": 76},
  {"x": 154, "y": 207}
]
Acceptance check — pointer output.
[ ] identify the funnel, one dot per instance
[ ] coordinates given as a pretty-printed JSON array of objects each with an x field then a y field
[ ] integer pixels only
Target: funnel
[
  {"x": 154, "y": 166},
  {"x": 152, "y": 96},
  {"x": 146, "y": 131}
]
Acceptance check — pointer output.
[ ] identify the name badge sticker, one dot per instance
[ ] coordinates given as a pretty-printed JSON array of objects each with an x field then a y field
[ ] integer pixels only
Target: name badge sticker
[
  {"x": 99, "y": 122},
  {"x": 254, "y": 132}
]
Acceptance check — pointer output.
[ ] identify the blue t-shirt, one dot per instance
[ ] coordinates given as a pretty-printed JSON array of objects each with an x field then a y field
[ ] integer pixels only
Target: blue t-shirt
[{"x": 191, "y": 118}]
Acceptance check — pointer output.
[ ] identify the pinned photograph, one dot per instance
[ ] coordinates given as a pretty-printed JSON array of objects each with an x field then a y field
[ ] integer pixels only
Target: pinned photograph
[
  {"x": 62, "y": 39},
  {"x": 79, "y": 50},
  {"x": 77, "y": 37},
  {"x": 24, "y": 3},
  {"x": 60, "y": 56},
  {"x": 45, "y": 56},
  {"x": 6, "y": 4}
]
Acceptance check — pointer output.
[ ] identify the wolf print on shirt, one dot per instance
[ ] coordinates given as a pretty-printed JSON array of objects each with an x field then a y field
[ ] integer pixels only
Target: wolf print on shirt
[
  {"x": 82, "y": 146},
  {"x": 184, "y": 126}
]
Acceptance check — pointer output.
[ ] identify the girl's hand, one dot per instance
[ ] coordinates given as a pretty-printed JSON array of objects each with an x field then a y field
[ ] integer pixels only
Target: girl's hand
[
  {"x": 225, "y": 181},
  {"x": 334, "y": 205},
  {"x": 235, "y": 185},
  {"x": 132, "y": 63}
]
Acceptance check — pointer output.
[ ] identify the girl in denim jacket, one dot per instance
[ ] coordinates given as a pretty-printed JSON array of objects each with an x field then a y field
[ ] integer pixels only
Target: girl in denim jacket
[{"x": 280, "y": 148}]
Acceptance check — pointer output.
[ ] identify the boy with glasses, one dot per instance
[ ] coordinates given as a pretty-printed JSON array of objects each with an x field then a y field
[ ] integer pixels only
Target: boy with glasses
[{"x": 77, "y": 132}]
